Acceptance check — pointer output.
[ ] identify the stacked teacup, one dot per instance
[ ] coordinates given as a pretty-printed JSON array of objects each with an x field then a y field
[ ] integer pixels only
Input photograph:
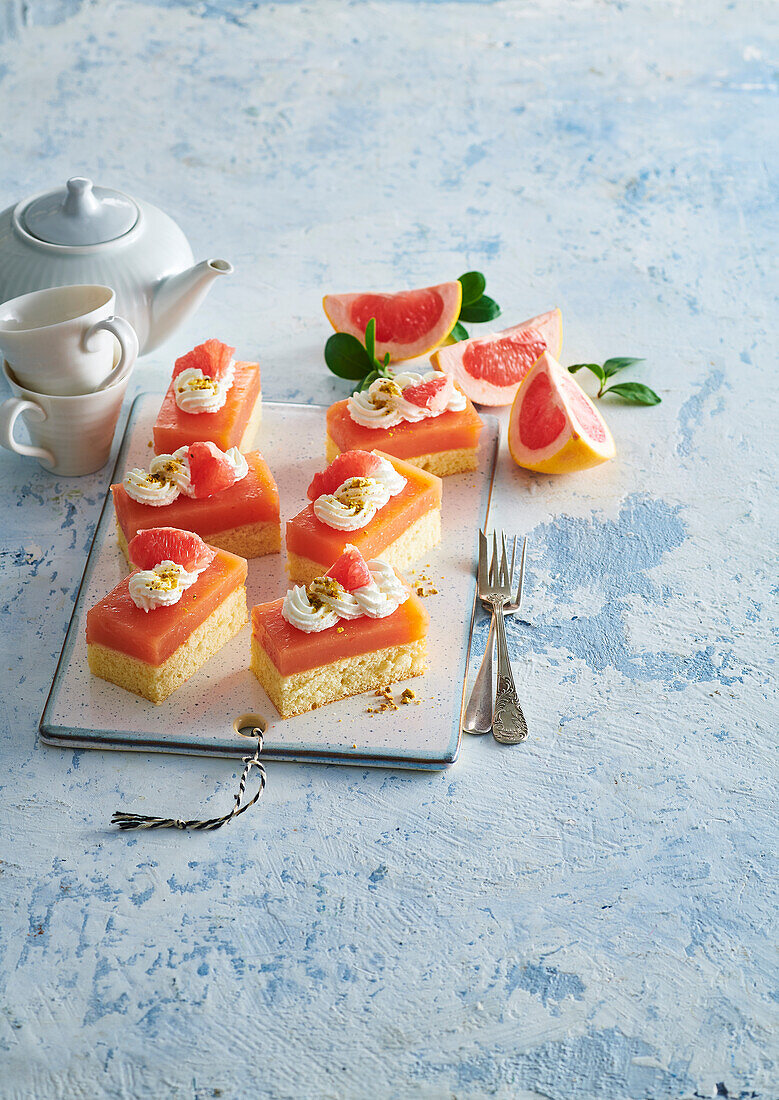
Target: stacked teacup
[{"x": 68, "y": 360}]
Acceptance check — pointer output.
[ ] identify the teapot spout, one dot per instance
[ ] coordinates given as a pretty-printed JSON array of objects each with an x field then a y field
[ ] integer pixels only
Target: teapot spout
[{"x": 176, "y": 296}]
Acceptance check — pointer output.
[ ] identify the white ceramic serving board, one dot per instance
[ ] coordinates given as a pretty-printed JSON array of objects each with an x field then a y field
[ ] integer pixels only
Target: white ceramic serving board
[{"x": 201, "y": 717}]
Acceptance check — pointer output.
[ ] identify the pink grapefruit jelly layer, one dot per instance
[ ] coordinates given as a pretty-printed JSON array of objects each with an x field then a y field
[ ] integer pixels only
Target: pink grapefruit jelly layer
[
  {"x": 115, "y": 622},
  {"x": 253, "y": 499},
  {"x": 308, "y": 537},
  {"x": 174, "y": 428},
  {"x": 291, "y": 650},
  {"x": 451, "y": 431}
]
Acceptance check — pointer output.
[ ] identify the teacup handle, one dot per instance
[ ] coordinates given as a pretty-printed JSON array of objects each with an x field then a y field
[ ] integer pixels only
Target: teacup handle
[
  {"x": 128, "y": 342},
  {"x": 9, "y": 411}
]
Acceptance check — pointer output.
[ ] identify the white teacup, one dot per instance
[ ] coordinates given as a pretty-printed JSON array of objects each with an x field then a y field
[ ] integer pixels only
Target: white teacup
[
  {"x": 69, "y": 435},
  {"x": 61, "y": 341}
]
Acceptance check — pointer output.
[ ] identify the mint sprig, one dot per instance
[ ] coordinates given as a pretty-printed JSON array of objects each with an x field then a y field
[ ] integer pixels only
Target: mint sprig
[
  {"x": 634, "y": 393},
  {"x": 477, "y": 307},
  {"x": 347, "y": 357}
]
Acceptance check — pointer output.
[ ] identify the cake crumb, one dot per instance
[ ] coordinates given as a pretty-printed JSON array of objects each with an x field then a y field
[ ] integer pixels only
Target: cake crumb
[
  {"x": 388, "y": 703},
  {"x": 424, "y": 586}
]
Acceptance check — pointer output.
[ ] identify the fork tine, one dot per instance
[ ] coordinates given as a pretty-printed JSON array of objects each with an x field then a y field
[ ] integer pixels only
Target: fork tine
[
  {"x": 483, "y": 582},
  {"x": 494, "y": 562},
  {"x": 513, "y": 559},
  {"x": 504, "y": 568},
  {"x": 521, "y": 581}
]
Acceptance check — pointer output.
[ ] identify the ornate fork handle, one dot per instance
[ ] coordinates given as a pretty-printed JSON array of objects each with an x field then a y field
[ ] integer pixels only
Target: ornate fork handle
[{"x": 508, "y": 725}]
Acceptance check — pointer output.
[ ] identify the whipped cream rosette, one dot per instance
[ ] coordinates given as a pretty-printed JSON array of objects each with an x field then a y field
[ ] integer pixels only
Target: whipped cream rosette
[
  {"x": 376, "y": 593},
  {"x": 171, "y": 475},
  {"x": 161, "y": 586},
  {"x": 406, "y": 397},
  {"x": 354, "y": 503}
]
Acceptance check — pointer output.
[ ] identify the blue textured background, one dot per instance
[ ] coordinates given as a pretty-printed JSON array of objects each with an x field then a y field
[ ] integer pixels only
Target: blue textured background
[{"x": 589, "y": 915}]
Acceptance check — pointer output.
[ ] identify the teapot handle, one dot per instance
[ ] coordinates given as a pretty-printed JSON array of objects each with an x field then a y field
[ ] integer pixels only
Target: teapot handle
[{"x": 128, "y": 343}]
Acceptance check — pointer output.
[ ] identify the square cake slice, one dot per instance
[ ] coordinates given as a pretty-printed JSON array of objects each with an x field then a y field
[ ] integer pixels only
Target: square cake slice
[
  {"x": 210, "y": 397},
  {"x": 358, "y": 628},
  {"x": 424, "y": 419},
  {"x": 158, "y": 626},
  {"x": 387, "y": 508},
  {"x": 229, "y": 499}
]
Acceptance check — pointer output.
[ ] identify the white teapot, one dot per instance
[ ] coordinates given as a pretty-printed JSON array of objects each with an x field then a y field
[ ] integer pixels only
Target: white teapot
[{"x": 86, "y": 234}]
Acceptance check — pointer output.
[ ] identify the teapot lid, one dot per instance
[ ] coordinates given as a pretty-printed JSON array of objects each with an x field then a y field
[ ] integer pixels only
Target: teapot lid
[{"x": 80, "y": 214}]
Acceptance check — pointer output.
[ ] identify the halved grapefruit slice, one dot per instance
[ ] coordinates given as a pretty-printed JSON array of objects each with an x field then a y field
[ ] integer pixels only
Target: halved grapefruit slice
[
  {"x": 345, "y": 465},
  {"x": 554, "y": 428},
  {"x": 408, "y": 324},
  {"x": 490, "y": 368},
  {"x": 351, "y": 570},
  {"x": 155, "y": 544}
]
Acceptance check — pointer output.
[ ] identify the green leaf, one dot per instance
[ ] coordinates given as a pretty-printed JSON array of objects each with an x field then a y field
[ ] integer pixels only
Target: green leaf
[
  {"x": 458, "y": 333},
  {"x": 371, "y": 376},
  {"x": 596, "y": 369},
  {"x": 611, "y": 366},
  {"x": 483, "y": 309},
  {"x": 386, "y": 361},
  {"x": 346, "y": 357},
  {"x": 473, "y": 284},
  {"x": 370, "y": 338},
  {"x": 635, "y": 393}
]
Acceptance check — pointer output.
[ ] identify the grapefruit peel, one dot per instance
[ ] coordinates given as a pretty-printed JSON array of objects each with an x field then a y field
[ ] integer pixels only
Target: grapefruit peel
[{"x": 554, "y": 428}]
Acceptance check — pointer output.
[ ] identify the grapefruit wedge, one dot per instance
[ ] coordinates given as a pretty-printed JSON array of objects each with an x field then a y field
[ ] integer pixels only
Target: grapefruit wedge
[
  {"x": 210, "y": 470},
  {"x": 490, "y": 368},
  {"x": 554, "y": 428},
  {"x": 345, "y": 465},
  {"x": 153, "y": 545},
  {"x": 408, "y": 324},
  {"x": 213, "y": 358},
  {"x": 351, "y": 570}
]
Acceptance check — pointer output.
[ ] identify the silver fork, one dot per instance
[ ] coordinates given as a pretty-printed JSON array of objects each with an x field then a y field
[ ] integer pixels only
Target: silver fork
[
  {"x": 481, "y": 704},
  {"x": 509, "y": 726}
]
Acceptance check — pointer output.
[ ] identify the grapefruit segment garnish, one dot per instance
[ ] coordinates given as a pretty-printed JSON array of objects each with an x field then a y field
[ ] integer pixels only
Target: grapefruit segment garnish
[
  {"x": 408, "y": 323},
  {"x": 490, "y": 368},
  {"x": 212, "y": 358},
  {"x": 346, "y": 465},
  {"x": 424, "y": 393},
  {"x": 554, "y": 428},
  {"x": 210, "y": 470},
  {"x": 155, "y": 544},
  {"x": 351, "y": 570}
]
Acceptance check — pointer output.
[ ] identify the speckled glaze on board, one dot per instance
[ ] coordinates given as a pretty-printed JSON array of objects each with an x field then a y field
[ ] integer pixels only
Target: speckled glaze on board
[{"x": 200, "y": 717}]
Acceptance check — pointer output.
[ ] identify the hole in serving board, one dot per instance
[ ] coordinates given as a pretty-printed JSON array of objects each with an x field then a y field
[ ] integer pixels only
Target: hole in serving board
[{"x": 248, "y": 723}]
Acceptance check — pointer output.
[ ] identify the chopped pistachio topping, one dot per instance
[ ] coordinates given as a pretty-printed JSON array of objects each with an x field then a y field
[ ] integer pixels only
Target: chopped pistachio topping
[
  {"x": 201, "y": 384},
  {"x": 323, "y": 586}
]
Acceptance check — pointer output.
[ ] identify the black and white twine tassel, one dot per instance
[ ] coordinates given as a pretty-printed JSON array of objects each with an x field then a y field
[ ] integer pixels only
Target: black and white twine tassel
[{"x": 138, "y": 821}]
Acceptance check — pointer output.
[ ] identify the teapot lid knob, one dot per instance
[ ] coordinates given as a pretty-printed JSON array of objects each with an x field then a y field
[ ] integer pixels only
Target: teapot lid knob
[
  {"x": 80, "y": 200},
  {"x": 80, "y": 214}
]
